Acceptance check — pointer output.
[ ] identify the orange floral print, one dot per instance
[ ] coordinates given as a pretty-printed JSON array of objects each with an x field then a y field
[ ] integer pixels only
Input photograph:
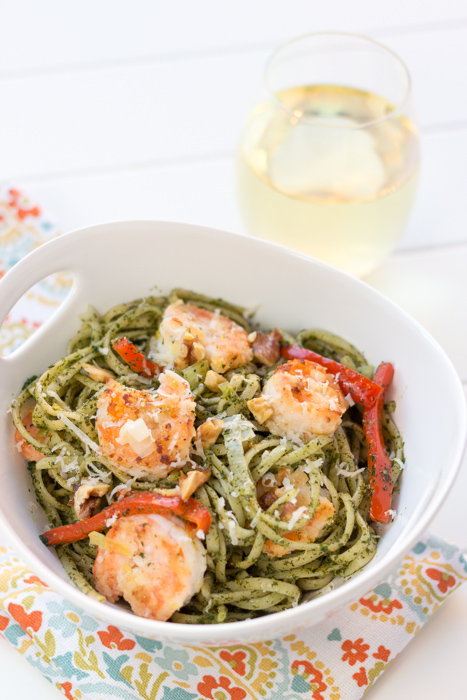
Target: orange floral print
[
  {"x": 313, "y": 676},
  {"x": 235, "y": 661},
  {"x": 380, "y": 606},
  {"x": 444, "y": 579},
  {"x": 66, "y": 687},
  {"x": 361, "y": 677},
  {"x": 382, "y": 654},
  {"x": 209, "y": 683},
  {"x": 113, "y": 636},
  {"x": 15, "y": 202},
  {"x": 354, "y": 651},
  {"x": 24, "y": 619},
  {"x": 33, "y": 578}
]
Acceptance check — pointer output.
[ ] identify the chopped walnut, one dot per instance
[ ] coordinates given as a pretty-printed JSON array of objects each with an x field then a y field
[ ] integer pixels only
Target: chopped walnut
[
  {"x": 208, "y": 432},
  {"x": 87, "y": 498},
  {"x": 191, "y": 481},
  {"x": 191, "y": 350},
  {"x": 261, "y": 409},
  {"x": 214, "y": 380},
  {"x": 266, "y": 348},
  {"x": 198, "y": 351},
  {"x": 267, "y": 499},
  {"x": 98, "y": 373}
]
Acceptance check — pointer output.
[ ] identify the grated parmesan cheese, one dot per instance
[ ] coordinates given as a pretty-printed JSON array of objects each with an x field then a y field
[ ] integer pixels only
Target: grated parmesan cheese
[
  {"x": 232, "y": 531},
  {"x": 79, "y": 433},
  {"x": 113, "y": 424},
  {"x": 110, "y": 521},
  {"x": 399, "y": 462},
  {"x": 121, "y": 487},
  {"x": 255, "y": 520},
  {"x": 54, "y": 395},
  {"x": 312, "y": 464},
  {"x": 137, "y": 434},
  {"x": 347, "y": 472},
  {"x": 269, "y": 479},
  {"x": 296, "y": 516},
  {"x": 200, "y": 535}
]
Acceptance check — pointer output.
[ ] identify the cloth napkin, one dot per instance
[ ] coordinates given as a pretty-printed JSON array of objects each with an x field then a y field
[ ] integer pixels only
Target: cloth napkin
[{"x": 338, "y": 659}]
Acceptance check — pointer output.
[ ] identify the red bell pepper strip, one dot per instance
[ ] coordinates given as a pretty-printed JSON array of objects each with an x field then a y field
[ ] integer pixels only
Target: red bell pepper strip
[
  {"x": 133, "y": 357},
  {"x": 362, "y": 390},
  {"x": 379, "y": 464},
  {"x": 137, "y": 503}
]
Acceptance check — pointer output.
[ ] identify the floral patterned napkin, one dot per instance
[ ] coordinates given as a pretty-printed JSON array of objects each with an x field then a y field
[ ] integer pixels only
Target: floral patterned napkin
[
  {"x": 24, "y": 227},
  {"x": 338, "y": 659}
]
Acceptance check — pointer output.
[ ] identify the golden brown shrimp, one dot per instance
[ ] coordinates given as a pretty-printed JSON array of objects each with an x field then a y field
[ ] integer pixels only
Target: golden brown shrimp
[
  {"x": 153, "y": 562},
  {"x": 272, "y": 486},
  {"x": 300, "y": 400},
  {"x": 28, "y": 451},
  {"x": 146, "y": 434},
  {"x": 188, "y": 334}
]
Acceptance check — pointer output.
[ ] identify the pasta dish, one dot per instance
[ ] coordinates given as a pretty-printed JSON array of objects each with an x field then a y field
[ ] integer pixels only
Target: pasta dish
[{"x": 203, "y": 470}]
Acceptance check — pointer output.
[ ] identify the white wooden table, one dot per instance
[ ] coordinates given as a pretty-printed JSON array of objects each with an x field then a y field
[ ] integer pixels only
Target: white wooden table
[{"x": 118, "y": 110}]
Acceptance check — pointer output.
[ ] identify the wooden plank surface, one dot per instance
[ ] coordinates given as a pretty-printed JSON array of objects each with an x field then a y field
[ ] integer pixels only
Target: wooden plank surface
[
  {"x": 55, "y": 35},
  {"x": 84, "y": 121}
]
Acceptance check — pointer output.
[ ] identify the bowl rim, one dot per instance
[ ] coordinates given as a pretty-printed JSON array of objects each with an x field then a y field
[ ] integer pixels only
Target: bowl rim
[{"x": 292, "y": 617}]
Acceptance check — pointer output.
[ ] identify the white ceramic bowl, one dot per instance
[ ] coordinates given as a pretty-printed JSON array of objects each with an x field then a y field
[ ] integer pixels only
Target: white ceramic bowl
[{"x": 118, "y": 262}]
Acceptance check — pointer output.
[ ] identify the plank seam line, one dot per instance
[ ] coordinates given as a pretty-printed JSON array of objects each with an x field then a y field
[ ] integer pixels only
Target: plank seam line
[
  {"x": 181, "y": 161},
  {"x": 164, "y": 57},
  {"x": 123, "y": 168}
]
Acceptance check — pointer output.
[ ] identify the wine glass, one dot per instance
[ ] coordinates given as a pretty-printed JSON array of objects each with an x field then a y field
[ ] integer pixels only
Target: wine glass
[{"x": 328, "y": 160}]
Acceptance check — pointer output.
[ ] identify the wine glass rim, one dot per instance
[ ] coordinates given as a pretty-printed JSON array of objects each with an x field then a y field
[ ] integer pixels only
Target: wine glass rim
[{"x": 397, "y": 108}]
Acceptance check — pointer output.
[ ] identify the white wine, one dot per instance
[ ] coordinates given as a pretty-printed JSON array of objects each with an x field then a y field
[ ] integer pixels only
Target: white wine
[{"x": 330, "y": 171}]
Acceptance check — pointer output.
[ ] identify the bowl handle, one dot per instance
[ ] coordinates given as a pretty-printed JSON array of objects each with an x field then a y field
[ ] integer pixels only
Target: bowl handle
[{"x": 33, "y": 268}]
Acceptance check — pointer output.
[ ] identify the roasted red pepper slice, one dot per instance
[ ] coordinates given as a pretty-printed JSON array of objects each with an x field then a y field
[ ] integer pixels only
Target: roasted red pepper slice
[
  {"x": 135, "y": 359},
  {"x": 137, "y": 503},
  {"x": 362, "y": 390},
  {"x": 379, "y": 464}
]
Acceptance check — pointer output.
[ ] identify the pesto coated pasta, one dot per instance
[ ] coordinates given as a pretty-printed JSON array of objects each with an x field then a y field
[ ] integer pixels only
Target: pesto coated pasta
[{"x": 246, "y": 477}]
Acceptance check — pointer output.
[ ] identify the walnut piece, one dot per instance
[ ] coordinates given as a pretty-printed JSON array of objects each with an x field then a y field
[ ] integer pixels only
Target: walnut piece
[
  {"x": 87, "y": 498},
  {"x": 198, "y": 351},
  {"x": 191, "y": 350},
  {"x": 267, "y": 499},
  {"x": 266, "y": 348},
  {"x": 260, "y": 408},
  {"x": 208, "y": 432},
  {"x": 98, "y": 373},
  {"x": 213, "y": 380},
  {"x": 190, "y": 482}
]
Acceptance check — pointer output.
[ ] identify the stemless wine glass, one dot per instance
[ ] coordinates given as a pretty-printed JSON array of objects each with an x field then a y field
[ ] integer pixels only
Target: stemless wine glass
[{"x": 328, "y": 161}]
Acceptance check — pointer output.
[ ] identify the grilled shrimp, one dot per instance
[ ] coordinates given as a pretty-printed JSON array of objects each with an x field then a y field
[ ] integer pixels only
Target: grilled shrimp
[
  {"x": 188, "y": 334},
  {"x": 270, "y": 487},
  {"x": 28, "y": 451},
  {"x": 146, "y": 434},
  {"x": 301, "y": 399},
  {"x": 153, "y": 562}
]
